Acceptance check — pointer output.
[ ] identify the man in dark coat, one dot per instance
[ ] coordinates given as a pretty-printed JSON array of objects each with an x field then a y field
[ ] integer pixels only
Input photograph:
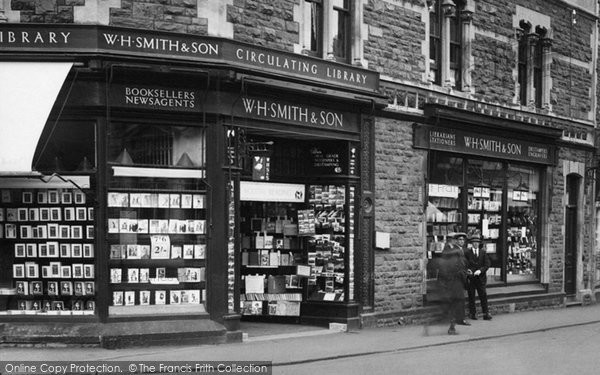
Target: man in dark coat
[
  {"x": 452, "y": 277},
  {"x": 478, "y": 263}
]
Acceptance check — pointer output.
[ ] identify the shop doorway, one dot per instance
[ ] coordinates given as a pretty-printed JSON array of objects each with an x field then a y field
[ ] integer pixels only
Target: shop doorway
[{"x": 571, "y": 234}]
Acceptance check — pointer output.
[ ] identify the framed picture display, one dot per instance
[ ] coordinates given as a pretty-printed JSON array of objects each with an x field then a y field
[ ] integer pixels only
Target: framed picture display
[
  {"x": 43, "y": 250},
  {"x": 163, "y": 201},
  {"x": 66, "y": 288},
  {"x": 90, "y": 288},
  {"x": 1, "y": 214},
  {"x": 6, "y": 197},
  {"x": 88, "y": 271},
  {"x": 174, "y": 200},
  {"x": 90, "y": 213},
  {"x": 69, "y": 213},
  {"x": 36, "y": 288},
  {"x": 22, "y": 214},
  {"x": 88, "y": 250},
  {"x": 20, "y": 251},
  {"x": 113, "y": 225},
  {"x": 32, "y": 270},
  {"x": 118, "y": 298},
  {"x": 64, "y": 231},
  {"x": 186, "y": 201},
  {"x": 144, "y": 275},
  {"x": 115, "y": 251},
  {"x": 22, "y": 288},
  {"x": 176, "y": 252},
  {"x": 34, "y": 214},
  {"x": 42, "y": 231},
  {"x": 55, "y": 214},
  {"x": 42, "y": 197},
  {"x": 160, "y": 297},
  {"x": 144, "y": 251},
  {"x": 31, "y": 249},
  {"x": 53, "y": 197},
  {"x": 133, "y": 252},
  {"x": 115, "y": 275},
  {"x": 27, "y": 197},
  {"x": 129, "y": 298},
  {"x": 76, "y": 232},
  {"x": 76, "y": 250},
  {"x": 199, "y": 251},
  {"x": 46, "y": 271},
  {"x": 80, "y": 213},
  {"x": 198, "y": 201},
  {"x": 10, "y": 231},
  {"x": 89, "y": 232},
  {"x": 188, "y": 251},
  {"x": 78, "y": 288},
  {"x": 18, "y": 271},
  {"x": 175, "y": 297},
  {"x": 44, "y": 214},
  {"x": 78, "y": 271},
  {"x": 133, "y": 275},
  {"x": 55, "y": 269},
  {"x": 52, "y": 249},
  {"x": 144, "y": 297},
  {"x": 58, "y": 305},
  {"x": 12, "y": 214},
  {"x": 161, "y": 273},
  {"x": 78, "y": 197},
  {"x": 65, "y": 272},
  {"x": 52, "y": 288},
  {"x": 26, "y": 231},
  {"x": 66, "y": 197},
  {"x": 77, "y": 305},
  {"x": 135, "y": 200},
  {"x": 53, "y": 231}
]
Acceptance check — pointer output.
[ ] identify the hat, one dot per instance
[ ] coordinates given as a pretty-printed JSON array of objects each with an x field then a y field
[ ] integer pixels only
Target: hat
[
  {"x": 457, "y": 235},
  {"x": 475, "y": 238}
]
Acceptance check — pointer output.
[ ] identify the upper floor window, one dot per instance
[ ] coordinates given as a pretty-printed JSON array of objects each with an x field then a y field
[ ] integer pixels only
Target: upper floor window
[
  {"x": 445, "y": 34},
  {"x": 326, "y": 29},
  {"x": 531, "y": 54}
]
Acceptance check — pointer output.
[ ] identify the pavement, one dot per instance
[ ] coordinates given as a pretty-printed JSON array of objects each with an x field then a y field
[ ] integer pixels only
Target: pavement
[{"x": 300, "y": 344}]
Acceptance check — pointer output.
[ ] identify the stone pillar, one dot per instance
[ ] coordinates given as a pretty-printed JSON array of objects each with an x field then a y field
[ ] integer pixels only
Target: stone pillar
[
  {"x": 466, "y": 17},
  {"x": 449, "y": 10},
  {"x": 532, "y": 40},
  {"x": 3, "y": 5},
  {"x": 547, "y": 78}
]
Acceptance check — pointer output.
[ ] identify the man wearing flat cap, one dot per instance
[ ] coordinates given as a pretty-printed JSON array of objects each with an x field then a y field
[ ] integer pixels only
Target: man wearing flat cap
[
  {"x": 478, "y": 263},
  {"x": 452, "y": 275}
]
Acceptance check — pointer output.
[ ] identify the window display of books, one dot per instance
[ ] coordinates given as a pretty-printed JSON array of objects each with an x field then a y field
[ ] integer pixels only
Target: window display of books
[
  {"x": 157, "y": 251},
  {"x": 52, "y": 262}
]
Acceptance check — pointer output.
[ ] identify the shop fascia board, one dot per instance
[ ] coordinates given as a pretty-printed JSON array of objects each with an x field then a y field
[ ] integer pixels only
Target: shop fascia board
[
  {"x": 372, "y": 102},
  {"x": 499, "y": 125}
]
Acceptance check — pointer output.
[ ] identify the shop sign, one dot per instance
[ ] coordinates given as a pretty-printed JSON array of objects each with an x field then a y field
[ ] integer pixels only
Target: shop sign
[
  {"x": 328, "y": 158},
  {"x": 306, "y": 115},
  {"x": 460, "y": 141},
  {"x": 443, "y": 191},
  {"x": 88, "y": 39},
  {"x": 154, "y": 97},
  {"x": 271, "y": 192}
]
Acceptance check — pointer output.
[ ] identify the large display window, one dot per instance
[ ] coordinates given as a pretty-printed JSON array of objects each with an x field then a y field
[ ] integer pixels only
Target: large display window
[
  {"x": 156, "y": 219},
  {"x": 496, "y": 200}
]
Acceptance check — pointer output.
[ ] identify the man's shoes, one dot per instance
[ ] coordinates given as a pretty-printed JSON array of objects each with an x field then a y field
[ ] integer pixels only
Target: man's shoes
[
  {"x": 463, "y": 323},
  {"x": 473, "y": 317},
  {"x": 487, "y": 317}
]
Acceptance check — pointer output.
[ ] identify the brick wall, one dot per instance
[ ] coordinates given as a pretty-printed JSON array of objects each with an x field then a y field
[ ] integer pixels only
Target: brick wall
[{"x": 399, "y": 210}]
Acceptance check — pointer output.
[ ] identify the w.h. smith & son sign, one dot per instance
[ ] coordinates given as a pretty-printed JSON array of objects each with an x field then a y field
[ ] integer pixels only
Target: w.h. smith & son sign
[{"x": 91, "y": 39}]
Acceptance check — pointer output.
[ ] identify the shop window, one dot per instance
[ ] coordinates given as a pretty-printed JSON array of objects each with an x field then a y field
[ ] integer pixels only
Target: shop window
[
  {"x": 153, "y": 145},
  {"x": 69, "y": 146},
  {"x": 533, "y": 50},
  {"x": 326, "y": 29},
  {"x": 445, "y": 32},
  {"x": 156, "y": 220},
  {"x": 47, "y": 231},
  {"x": 496, "y": 200}
]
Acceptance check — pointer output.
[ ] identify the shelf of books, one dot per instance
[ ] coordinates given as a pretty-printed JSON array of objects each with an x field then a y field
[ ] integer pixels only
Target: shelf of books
[
  {"x": 293, "y": 252},
  {"x": 484, "y": 217},
  {"x": 521, "y": 241},
  {"x": 47, "y": 266},
  {"x": 157, "y": 244}
]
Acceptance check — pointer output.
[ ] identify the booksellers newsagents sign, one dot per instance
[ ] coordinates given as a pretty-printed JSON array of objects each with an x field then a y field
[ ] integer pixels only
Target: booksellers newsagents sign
[{"x": 460, "y": 141}]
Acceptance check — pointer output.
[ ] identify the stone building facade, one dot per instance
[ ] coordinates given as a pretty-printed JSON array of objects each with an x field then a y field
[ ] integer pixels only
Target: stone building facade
[{"x": 513, "y": 75}]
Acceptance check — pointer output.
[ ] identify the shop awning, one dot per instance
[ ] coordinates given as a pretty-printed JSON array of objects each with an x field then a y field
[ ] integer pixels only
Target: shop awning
[{"x": 28, "y": 91}]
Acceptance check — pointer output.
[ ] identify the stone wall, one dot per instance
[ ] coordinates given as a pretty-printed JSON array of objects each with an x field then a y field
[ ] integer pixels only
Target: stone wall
[{"x": 399, "y": 177}]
